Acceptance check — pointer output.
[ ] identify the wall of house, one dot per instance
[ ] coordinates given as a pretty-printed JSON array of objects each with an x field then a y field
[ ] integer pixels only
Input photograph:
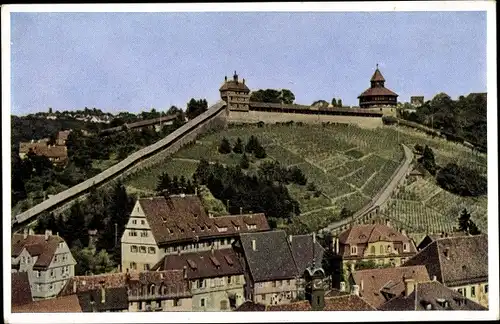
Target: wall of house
[
  {"x": 477, "y": 292},
  {"x": 275, "y": 292},
  {"x": 167, "y": 305},
  {"x": 202, "y": 245},
  {"x": 140, "y": 248},
  {"x": 275, "y": 117},
  {"x": 215, "y": 291}
]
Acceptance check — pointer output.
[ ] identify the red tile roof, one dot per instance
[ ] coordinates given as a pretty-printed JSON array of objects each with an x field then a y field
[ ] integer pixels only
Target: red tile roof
[
  {"x": 50, "y": 151},
  {"x": 377, "y": 91},
  {"x": 388, "y": 280},
  {"x": 179, "y": 218},
  {"x": 65, "y": 304},
  {"x": 21, "y": 291},
  {"x": 36, "y": 245},
  {"x": 339, "y": 303},
  {"x": 377, "y": 76},
  {"x": 206, "y": 264},
  {"x": 361, "y": 234}
]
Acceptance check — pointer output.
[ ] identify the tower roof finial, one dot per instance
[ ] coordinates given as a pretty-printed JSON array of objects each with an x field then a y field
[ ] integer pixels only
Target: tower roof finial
[{"x": 377, "y": 66}]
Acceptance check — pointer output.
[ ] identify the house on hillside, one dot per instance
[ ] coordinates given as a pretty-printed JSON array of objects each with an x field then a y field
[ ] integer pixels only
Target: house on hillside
[
  {"x": 460, "y": 263},
  {"x": 235, "y": 93},
  {"x": 58, "y": 155},
  {"x": 271, "y": 273},
  {"x": 377, "y": 286},
  {"x": 132, "y": 291},
  {"x": 431, "y": 295},
  {"x": 166, "y": 225},
  {"x": 216, "y": 277},
  {"x": 46, "y": 259},
  {"x": 375, "y": 243}
]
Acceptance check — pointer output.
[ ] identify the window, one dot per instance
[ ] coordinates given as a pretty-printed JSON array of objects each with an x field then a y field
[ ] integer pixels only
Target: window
[
  {"x": 473, "y": 291},
  {"x": 151, "y": 250},
  {"x": 133, "y": 248},
  {"x": 37, "y": 273},
  {"x": 223, "y": 304},
  {"x": 52, "y": 274},
  {"x": 144, "y": 233},
  {"x": 202, "y": 302},
  {"x": 288, "y": 282},
  {"x": 388, "y": 249},
  {"x": 134, "y": 221},
  {"x": 405, "y": 247},
  {"x": 372, "y": 249},
  {"x": 274, "y": 284},
  {"x": 143, "y": 249},
  {"x": 200, "y": 283},
  {"x": 461, "y": 291},
  {"x": 38, "y": 287},
  {"x": 354, "y": 249},
  {"x": 133, "y": 266},
  {"x": 132, "y": 233},
  {"x": 143, "y": 222},
  {"x": 486, "y": 288},
  {"x": 51, "y": 287},
  {"x": 146, "y": 266},
  {"x": 177, "y": 302},
  {"x": 152, "y": 287}
]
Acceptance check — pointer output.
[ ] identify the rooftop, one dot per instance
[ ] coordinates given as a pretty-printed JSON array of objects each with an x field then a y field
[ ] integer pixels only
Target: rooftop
[
  {"x": 338, "y": 303},
  {"x": 65, "y": 304},
  {"x": 21, "y": 291},
  {"x": 302, "y": 250},
  {"x": 363, "y": 234},
  {"x": 37, "y": 246}
]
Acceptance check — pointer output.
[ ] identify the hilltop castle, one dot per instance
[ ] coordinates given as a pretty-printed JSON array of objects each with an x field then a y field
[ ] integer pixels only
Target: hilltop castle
[{"x": 377, "y": 95}]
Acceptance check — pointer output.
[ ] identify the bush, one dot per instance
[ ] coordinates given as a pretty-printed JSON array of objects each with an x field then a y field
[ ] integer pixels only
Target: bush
[
  {"x": 225, "y": 146},
  {"x": 389, "y": 120},
  {"x": 238, "y": 147},
  {"x": 260, "y": 152},
  {"x": 260, "y": 124},
  {"x": 244, "y": 163},
  {"x": 462, "y": 181}
]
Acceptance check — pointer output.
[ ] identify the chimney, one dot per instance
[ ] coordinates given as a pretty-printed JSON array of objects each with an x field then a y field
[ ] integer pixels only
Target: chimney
[
  {"x": 361, "y": 285},
  {"x": 235, "y": 76},
  {"x": 434, "y": 278},
  {"x": 243, "y": 81},
  {"x": 409, "y": 286},
  {"x": 403, "y": 231},
  {"x": 103, "y": 294},
  {"x": 225, "y": 78},
  {"x": 74, "y": 286},
  {"x": 342, "y": 286},
  {"x": 48, "y": 233},
  {"x": 355, "y": 290},
  {"x": 184, "y": 272},
  {"x": 337, "y": 247},
  {"x": 290, "y": 238},
  {"x": 31, "y": 231},
  {"x": 314, "y": 238},
  {"x": 253, "y": 245},
  {"x": 25, "y": 233}
]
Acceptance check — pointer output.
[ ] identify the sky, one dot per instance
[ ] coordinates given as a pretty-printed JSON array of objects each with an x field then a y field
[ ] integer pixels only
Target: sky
[{"x": 136, "y": 61}]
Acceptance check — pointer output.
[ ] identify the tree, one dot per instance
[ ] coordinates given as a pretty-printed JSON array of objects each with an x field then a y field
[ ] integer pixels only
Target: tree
[
  {"x": 339, "y": 103},
  {"x": 419, "y": 149},
  {"x": 244, "y": 162},
  {"x": 90, "y": 263},
  {"x": 466, "y": 225},
  {"x": 298, "y": 176},
  {"x": 334, "y": 102},
  {"x": 427, "y": 160},
  {"x": 260, "y": 152},
  {"x": 462, "y": 181},
  {"x": 202, "y": 171},
  {"x": 196, "y": 107},
  {"x": 225, "y": 146},
  {"x": 287, "y": 97},
  {"x": 320, "y": 104},
  {"x": 238, "y": 147},
  {"x": 252, "y": 144},
  {"x": 164, "y": 182},
  {"x": 75, "y": 225}
]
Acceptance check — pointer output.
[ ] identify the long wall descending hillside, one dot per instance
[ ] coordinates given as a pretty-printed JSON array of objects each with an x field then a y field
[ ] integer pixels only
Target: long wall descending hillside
[
  {"x": 378, "y": 203},
  {"x": 215, "y": 116}
]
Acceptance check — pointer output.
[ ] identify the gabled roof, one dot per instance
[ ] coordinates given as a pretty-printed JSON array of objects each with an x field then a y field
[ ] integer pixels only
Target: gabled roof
[
  {"x": 377, "y": 76},
  {"x": 178, "y": 218},
  {"x": 250, "y": 306},
  {"x": 389, "y": 280},
  {"x": 205, "y": 264},
  {"x": 21, "y": 291},
  {"x": 455, "y": 260},
  {"x": 66, "y": 304},
  {"x": 362, "y": 234},
  {"x": 378, "y": 91},
  {"x": 272, "y": 258},
  {"x": 302, "y": 250},
  {"x": 36, "y": 245},
  {"x": 431, "y": 293}
]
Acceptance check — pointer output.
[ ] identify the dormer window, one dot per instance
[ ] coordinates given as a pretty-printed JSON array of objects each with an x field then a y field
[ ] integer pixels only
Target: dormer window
[
  {"x": 237, "y": 228},
  {"x": 354, "y": 250},
  {"x": 405, "y": 247},
  {"x": 389, "y": 249}
]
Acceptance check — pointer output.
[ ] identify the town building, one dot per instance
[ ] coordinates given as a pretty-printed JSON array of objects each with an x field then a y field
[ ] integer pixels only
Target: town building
[
  {"x": 20, "y": 289},
  {"x": 460, "y": 263},
  {"x": 431, "y": 295},
  {"x": 377, "y": 95},
  {"x": 46, "y": 259},
  {"x": 377, "y": 286},
  {"x": 235, "y": 93},
  {"x": 378, "y": 244},
  {"x": 132, "y": 291},
  {"x": 216, "y": 278},
  {"x": 164, "y": 225},
  {"x": 62, "y": 137},
  {"x": 417, "y": 101},
  {"x": 58, "y": 155},
  {"x": 429, "y": 238},
  {"x": 270, "y": 270}
]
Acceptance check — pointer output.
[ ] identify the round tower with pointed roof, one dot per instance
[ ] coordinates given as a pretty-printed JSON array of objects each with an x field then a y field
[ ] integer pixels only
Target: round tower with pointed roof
[
  {"x": 235, "y": 93},
  {"x": 377, "y": 95}
]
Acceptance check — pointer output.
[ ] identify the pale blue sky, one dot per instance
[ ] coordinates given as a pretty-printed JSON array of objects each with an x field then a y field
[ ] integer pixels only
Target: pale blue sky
[{"x": 133, "y": 61}]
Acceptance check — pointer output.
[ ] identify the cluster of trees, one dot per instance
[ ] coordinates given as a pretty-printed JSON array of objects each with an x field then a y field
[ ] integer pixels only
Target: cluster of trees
[
  {"x": 175, "y": 185},
  {"x": 459, "y": 180},
  {"x": 274, "y": 172},
  {"x": 253, "y": 146},
  {"x": 254, "y": 193},
  {"x": 337, "y": 102},
  {"x": 323, "y": 103},
  {"x": 196, "y": 107},
  {"x": 106, "y": 211},
  {"x": 462, "y": 119},
  {"x": 462, "y": 180},
  {"x": 466, "y": 225},
  {"x": 283, "y": 96}
]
